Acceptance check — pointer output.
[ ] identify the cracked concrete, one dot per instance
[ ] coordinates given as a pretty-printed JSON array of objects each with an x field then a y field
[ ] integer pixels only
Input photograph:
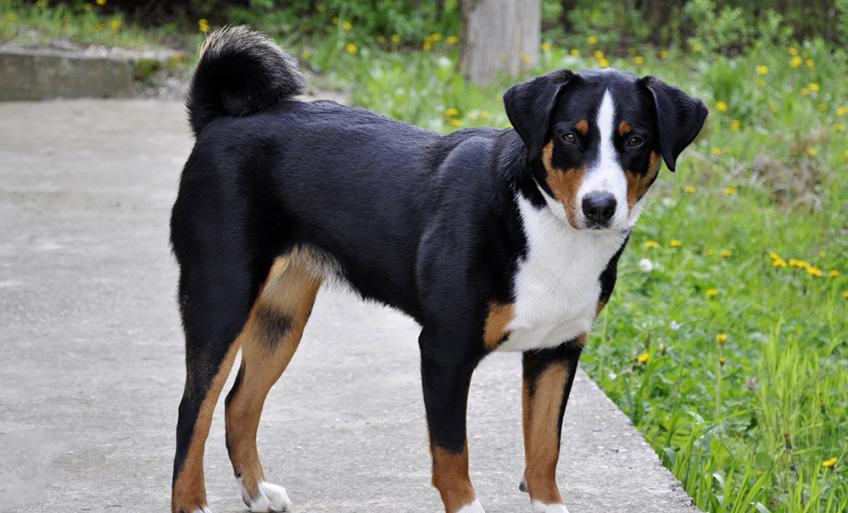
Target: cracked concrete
[{"x": 91, "y": 357}]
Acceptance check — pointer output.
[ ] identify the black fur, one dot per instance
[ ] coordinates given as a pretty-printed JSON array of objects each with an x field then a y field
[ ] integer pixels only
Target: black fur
[{"x": 425, "y": 223}]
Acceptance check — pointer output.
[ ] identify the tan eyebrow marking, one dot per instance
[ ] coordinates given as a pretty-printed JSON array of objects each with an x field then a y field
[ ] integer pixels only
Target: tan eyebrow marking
[
  {"x": 582, "y": 127},
  {"x": 624, "y": 128}
]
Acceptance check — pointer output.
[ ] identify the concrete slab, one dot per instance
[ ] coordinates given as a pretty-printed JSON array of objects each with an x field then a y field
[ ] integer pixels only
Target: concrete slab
[{"x": 91, "y": 355}]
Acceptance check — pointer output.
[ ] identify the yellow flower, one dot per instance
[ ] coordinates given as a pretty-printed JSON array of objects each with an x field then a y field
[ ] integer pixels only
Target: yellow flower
[
  {"x": 306, "y": 54},
  {"x": 795, "y": 62},
  {"x": 730, "y": 191},
  {"x": 810, "y": 64},
  {"x": 812, "y": 151},
  {"x": 603, "y": 63},
  {"x": 696, "y": 46},
  {"x": 351, "y": 48},
  {"x": 427, "y": 44},
  {"x": 652, "y": 244},
  {"x": 725, "y": 253},
  {"x": 485, "y": 114},
  {"x": 663, "y": 54},
  {"x": 203, "y": 25},
  {"x": 721, "y": 106},
  {"x": 829, "y": 463},
  {"x": 546, "y": 47},
  {"x": 452, "y": 40},
  {"x": 805, "y": 91},
  {"x": 643, "y": 358},
  {"x": 793, "y": 51},
  {"x": 456, "y": 122},
  {"x": 436, "y": 37},
  {"x": 115, "y": 25},
  {"x": 689, "y": 189},
  {"x": 833, "y": 273},
  {"x": 451, "y": 112},
  {"x": 814, "y": 271},
  {"x": 599, "y": 54},
  {"x": 845, "y": 294},
  {"x": 395, "y": 38},
  {"x": 839, "y": 127},
  {"x": 101, "y": 2},
  {"x": 381, "y": 40},
  {"x": 592, "y": 40},
  {"x": 722, "y": 360},
  {"x": 574, "y": 52},
  {"x": 762, "y": 70},
  {"x": 774, "y": 255},
  {"x": 715, "y": 150},
  {"x": 721, "y": 339},
  {"x": 778, "y": 262},
  {"x": 712, "y": 292},
  {"x": 638, "y": 60},
  {"x": 675, "y": 243},
  {"x": 347, "y": 26},
  {"x": 526, "y": 59},
  {"x": 734, "y": 125},
  {"x": 841, "y": 111},
  {"x": 814, "y": 87}
]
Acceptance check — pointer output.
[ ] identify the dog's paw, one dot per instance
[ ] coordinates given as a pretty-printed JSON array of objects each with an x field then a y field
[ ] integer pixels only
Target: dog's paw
[
  {"x": 473, "y": 507},
  {"x": 271, "y": 498},
  {"x": 541, "y": 507},
  {"x": 202, "y": 509}
]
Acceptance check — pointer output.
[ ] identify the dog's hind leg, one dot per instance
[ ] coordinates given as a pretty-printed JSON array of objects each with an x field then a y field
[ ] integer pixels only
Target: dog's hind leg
[
  {"x": 219, "y": 282},
  {"x": 268, "y": 343}
]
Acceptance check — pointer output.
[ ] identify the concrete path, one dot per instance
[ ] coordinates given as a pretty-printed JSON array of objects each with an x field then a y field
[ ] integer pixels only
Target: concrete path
[{"x": 91, "y": 357}]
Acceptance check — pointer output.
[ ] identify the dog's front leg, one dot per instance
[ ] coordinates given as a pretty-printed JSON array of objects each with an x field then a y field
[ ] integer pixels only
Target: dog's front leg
[
  {"x": 446, "y": 377},
  {"x": 548, "y": 376}
]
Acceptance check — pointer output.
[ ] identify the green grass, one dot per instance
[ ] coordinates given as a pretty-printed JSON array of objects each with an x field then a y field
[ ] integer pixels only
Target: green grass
[{"x": 733, "y": 366}]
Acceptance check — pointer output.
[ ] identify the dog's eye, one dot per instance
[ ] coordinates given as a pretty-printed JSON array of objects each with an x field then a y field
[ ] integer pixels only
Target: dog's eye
[
  {"x": 570, "y": 139},
  {"x": 634, "y": 142}
]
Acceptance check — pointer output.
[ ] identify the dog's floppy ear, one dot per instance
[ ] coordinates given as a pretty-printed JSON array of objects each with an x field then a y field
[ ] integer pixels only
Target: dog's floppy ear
[
  {"x": 529, "y": 107},
  {"x": 679, "y": 118}
]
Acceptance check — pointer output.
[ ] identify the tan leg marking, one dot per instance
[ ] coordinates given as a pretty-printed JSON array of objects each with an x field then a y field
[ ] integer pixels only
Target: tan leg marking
[
  {"x": 450, "y": 477},
  {"x": 190, "y": 488},
  {"x": 281, "y": 312},
  {"x": 638, "y": 184},
  {"x": 541, "y": 438},
  {"x": 563, "y": 183},
  {"x": 499, "y": 317}
]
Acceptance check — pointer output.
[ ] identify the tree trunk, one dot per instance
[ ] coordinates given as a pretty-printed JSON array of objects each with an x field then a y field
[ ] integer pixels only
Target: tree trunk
[{"x": 501, "y": 36}]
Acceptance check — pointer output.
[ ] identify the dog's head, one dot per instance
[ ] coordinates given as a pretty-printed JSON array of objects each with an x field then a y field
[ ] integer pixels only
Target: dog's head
[{"x": 595, "y": 139}]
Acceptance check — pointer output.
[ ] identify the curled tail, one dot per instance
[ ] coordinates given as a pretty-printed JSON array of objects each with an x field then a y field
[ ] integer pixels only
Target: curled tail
[{"x": 239, "y": 72}]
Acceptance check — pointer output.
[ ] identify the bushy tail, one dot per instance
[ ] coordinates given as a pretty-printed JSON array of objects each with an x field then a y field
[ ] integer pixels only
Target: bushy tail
[{"x": 239, "y": 72}]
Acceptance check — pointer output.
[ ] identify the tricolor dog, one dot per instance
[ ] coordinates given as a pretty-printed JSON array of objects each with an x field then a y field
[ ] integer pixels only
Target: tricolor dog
[{"x": 492, "y": 240}]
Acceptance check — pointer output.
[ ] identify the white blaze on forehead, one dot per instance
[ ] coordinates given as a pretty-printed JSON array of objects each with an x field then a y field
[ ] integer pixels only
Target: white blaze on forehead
[{"x": 606, "y": 174}]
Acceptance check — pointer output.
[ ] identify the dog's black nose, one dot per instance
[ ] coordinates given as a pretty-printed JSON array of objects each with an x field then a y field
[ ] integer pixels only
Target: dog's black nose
[{"x": 598, "y": 207}]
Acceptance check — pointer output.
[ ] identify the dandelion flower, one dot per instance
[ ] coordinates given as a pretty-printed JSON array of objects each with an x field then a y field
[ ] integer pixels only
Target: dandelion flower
[
  {"x": 812, "y": 151},
  {"x": 715, "y": 150},
  {"x": 526, "y": 59},
  {"x": 725, "y": 253},
  {"x": 643, "y": 358},
  {"x": 795, "y": 62},
  {"x": 730, "y": 191},
  {"x": 829, "y": 463},
  {"x": 652, "y": 244},
  {"x": 452, "y": 40},
  {"x": 815, "y": 271},
  {"x": 115, "y": 25},
  {"x": 712, "y": 292},
  {"x": 603, "y": 63},
  {"x": 646, "y": 265},
  {"x": 574, "y": 52},
  {"x": 793, "y": 51},
  {"x": 762, "y": 70},
  {"x": 805, "y": 91},
  {"x": 599, "y": 54},
  {"x": 721, "y": 338},
  {"x": 774, "y": 255},
  {"x": 721, "y": 106},
  {"x": 833, "y": 273},
  {"x": 351, "y": 48},
  {"x": 735, "y": 125},
  {"x": 638, "y": 60},
  {"x": 810, "y": 64},
  {"x": 485, "y": 114},
  {"x": 203, "y": 25},
  {"x": 381, "y": 40},
  {"x": 101, "y": 2},
  {"x": 722, "y": 360},
  {"x": 779, "y": 262},
  {"x": 845, "y": 294},
  {"x": 546, "y": 47},
  {"x": 436, "y": 37},
  {"x": 395, "y": 38},
  {"x": 690, "y": 189},
  {"x": 675, "y": 243},
  {"x": 663, "y": 54},
  {"x": 306, "y": 54},
  {"x": 451, "y": 112},
  {"x": 592, "y": 40},
  {"x": 839, "y": 127},
  {"x": 346, "y": 26},
  {"x": 841, "y": 111},
  {"x": 456, "y": 122}
]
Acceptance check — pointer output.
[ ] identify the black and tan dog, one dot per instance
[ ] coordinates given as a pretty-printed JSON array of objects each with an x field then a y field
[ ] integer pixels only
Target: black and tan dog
[{"x": 492, "y": 240}]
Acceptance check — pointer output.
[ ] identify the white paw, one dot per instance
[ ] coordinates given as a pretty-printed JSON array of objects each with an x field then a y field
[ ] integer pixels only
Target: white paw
[
  {"x": 271, "y": 498},
  {"x": 204, "y": 509},
  {"x": 474, "y": 507},
  {"x": 541, "y": 507}
]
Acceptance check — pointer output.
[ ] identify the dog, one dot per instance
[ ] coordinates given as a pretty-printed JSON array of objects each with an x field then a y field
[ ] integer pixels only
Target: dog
[{"x": 491, "y": 239}]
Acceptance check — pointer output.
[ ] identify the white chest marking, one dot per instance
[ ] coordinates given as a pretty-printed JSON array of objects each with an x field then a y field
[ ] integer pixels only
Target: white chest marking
[{"x": 557, "y": 285}]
